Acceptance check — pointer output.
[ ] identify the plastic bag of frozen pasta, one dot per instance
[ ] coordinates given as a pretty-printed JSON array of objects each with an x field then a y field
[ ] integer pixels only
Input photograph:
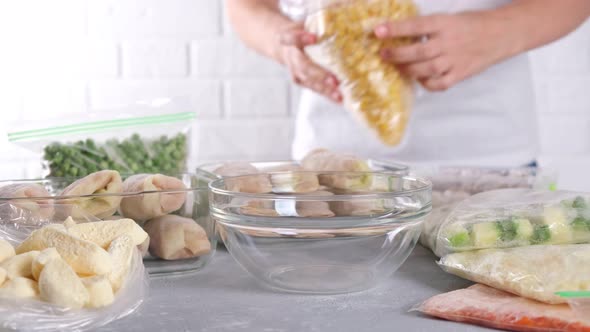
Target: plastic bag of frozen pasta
[{"x": 373, "y": 90}]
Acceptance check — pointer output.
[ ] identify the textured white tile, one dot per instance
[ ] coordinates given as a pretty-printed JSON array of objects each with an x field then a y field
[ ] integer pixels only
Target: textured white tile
[
  {"x": 220, "y": 57},
  {"x": 205, "y": 95},
  {"x": 102, "y": 59},
  {"x": 256, "y": 98},
  {"x": 154, "y": 59},
  {"x": 154, "y": 18},
  {"x": 268, "y": 139},
  {"x": 48, "y": 99}
]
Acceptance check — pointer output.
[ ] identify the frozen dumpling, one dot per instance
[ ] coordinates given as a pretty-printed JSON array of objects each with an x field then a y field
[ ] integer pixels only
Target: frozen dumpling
[
  {"x": 321, "y": 160},
  {"x": 39, "y": 207},
  {"x": 151, "y": 205},
  {"x": 292, "y": 179},
  {"x": 249, "y": 184},
  {"x": 102, "y": 183},
  {"x": 290, "y": 208},
  {"x": 174, "y": 237}
]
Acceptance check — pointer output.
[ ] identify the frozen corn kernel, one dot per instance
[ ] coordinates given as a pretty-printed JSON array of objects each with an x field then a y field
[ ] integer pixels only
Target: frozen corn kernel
[{"x": 373, "y": 89}]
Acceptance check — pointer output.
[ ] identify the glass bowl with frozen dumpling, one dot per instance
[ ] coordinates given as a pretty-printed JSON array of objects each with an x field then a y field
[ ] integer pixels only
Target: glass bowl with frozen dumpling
[
  {"x": 319, "y": 160},
  {"x": 171, "y": 209},
  {"x": 320, "y": 232}
]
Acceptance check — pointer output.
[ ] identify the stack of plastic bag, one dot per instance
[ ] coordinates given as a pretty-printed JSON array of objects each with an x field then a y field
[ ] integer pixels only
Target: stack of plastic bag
[{"x": 530, "y": 243}]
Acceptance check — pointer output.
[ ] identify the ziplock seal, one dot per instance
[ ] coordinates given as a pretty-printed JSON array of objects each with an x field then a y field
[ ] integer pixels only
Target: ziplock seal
[
  {"x": 574, "y": 294},
  {"x": 99, "y": 126}
]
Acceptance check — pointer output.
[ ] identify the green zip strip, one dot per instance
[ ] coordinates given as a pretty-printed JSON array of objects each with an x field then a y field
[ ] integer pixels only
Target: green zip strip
[
  {"x": 571, "y": 295},
  {"x": 99, "y": 126}
]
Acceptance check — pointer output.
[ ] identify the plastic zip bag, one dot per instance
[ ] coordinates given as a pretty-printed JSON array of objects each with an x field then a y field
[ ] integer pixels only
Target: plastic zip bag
[
  {"x": 144, "y": 137},
  {"x": 514, "y": 217},
  {"x": 579, "y": 301},
  {"x": 373, "y": 90},
  {"x": 452, "y": 185},
  {"x": 485, "y": 306},
  {"x": 34, "y": 315},
  {"x": 535, "y": 272}
]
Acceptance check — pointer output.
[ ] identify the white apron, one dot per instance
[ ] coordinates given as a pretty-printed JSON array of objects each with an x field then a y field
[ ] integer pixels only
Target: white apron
[{"x": 487, "y": 120}]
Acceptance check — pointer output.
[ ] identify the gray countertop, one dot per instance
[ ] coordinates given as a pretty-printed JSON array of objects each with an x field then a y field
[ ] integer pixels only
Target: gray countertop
[{"x": 222, "y": 297}]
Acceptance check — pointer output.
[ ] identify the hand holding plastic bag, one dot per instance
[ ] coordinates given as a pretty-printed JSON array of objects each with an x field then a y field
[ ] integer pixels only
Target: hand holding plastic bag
[{"x": 375, "y": 91}]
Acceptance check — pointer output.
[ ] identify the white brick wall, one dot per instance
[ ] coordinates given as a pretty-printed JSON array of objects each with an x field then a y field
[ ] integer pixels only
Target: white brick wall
[{"x": 74, "y": 55}]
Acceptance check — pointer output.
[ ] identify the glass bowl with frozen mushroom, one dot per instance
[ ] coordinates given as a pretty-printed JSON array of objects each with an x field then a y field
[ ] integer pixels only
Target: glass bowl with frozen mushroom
[
  {"x": 320, "y": 232},
  {"x": 171, "y": 210}
]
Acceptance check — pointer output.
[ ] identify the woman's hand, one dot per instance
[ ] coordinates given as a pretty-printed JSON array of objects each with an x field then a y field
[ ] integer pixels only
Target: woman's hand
[
  {"x": 303, "y": 71},
  {"x": 452, "y": 47}
]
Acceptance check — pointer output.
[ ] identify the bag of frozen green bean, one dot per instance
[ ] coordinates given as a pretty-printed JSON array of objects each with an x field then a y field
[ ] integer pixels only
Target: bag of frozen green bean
[{"x": 144, "y": 137}]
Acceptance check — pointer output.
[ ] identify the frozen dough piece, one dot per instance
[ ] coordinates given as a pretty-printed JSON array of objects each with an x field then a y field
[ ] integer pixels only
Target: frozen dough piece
[
  {"x": 43, "y": 259},
  {"x": 104, "y": 232},
  {"x": 321, "y": 160},
  {"x": 20, "y": 265},
  {"x": 485, "y": 306},
  {"x": 173, "y": 237},
  {"x": 151, "y": 205},
  {"x": 100, "y": 291},
  {"x": 535, "y": 272},
  {"x": 6, "y": 250},
  {"x": 3, "y": 276},
  {"x": 292, "y": 179},
  {"x": 84, "y": 256},
  {"x": 144, "y": 246},
  {"x": 39, "y": 206},
  {"x": 70, "y": 222},
  {"x": 59, "y": 284},
  {"x": 102, "y": 182},
  {"x": 121, "y": 251},
  {"x": 290, "y": 208},
  {"x": 248, "y": 184},
  {"x": 19, "y": 288}
]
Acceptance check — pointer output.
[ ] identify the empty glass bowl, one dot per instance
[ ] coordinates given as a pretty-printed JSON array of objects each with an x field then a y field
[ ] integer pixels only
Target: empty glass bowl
[{"x": 320, "y": 232}]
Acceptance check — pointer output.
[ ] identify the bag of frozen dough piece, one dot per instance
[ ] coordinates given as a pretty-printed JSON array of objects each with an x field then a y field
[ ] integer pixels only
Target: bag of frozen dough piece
[
  {"x": 512, "y": 218},
  {"x": 151, "y": 205},
  {"x": 485, "y": 306},
  {"x": 32, "y": 198},
  {"x": 535, "y": 272},
  {"x": 48, "y": 294},
  {"x": 99, "y": 183}
]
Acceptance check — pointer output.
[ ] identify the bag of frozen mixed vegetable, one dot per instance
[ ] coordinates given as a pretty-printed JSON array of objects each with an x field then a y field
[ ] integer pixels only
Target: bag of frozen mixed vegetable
[
  {"x": 144, "y": 137},
  {"x": 514, "y": 217},
  {"x": 372, "y": 89},
  {"x": 452, "y": 185}
]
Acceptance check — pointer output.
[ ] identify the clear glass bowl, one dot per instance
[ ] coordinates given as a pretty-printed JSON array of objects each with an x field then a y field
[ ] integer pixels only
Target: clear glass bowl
[
  {"x": 350, "y": 236},
  {"x": 169, "y": 253}
]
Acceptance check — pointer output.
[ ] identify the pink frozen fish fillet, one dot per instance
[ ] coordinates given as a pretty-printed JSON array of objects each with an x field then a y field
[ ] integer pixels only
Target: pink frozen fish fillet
[{"x": 486, "y": 306}]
